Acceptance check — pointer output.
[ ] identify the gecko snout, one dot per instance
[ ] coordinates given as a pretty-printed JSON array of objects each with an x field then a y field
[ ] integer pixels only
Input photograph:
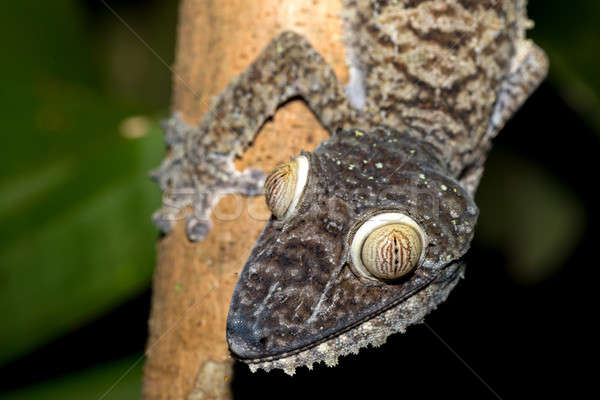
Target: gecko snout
[{"x": 244, "y": 342}]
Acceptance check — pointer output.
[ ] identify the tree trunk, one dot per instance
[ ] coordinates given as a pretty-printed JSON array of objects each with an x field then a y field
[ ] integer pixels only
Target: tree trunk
[{"x": 187, "y": 355}]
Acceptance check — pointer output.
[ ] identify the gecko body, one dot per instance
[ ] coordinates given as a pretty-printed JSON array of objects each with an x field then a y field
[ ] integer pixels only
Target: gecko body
[{"x": 432, "y": 83}]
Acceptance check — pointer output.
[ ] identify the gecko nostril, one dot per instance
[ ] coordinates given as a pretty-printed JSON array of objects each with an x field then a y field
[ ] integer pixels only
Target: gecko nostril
[{"x": 244, "y": 341}]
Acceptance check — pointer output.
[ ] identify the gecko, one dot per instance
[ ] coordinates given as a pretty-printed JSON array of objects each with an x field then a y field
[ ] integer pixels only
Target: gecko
[{"x": 369, "y": 231}]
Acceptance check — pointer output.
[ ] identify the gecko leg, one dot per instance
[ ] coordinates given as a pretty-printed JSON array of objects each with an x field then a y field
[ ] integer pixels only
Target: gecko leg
[
  {"x": 527, "y": 70},
  {"x": 200, "y": 170}
]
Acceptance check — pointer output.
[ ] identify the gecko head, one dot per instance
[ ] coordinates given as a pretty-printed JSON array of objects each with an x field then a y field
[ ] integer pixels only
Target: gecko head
[{"x": 364, "y": 224}]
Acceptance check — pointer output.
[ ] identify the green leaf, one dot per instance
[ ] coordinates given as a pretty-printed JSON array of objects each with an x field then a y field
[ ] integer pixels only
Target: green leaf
[
  {"x": 75, "y": 232},
  {"x": 569, "y": 32},
  {"x": 80, "y": 243},
  {"x": 118, "y": 380},
  {"x": 529, "y": 215}
]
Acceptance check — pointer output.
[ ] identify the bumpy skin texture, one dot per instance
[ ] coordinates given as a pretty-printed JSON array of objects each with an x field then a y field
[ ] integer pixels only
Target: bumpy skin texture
[
  {"x": 432, "y": 82},
  {"x": 200, "y": 170},
  {"x": 297, "y": 288}
]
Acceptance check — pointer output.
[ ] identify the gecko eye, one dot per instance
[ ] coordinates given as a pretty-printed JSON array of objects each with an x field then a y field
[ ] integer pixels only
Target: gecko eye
[
  {"x": 284, "y": 186},
  {"x": 387, "y": 246}
]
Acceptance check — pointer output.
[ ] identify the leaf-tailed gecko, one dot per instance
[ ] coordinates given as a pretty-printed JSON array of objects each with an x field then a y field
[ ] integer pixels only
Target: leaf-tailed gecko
[{"x": 370, "y": 229}]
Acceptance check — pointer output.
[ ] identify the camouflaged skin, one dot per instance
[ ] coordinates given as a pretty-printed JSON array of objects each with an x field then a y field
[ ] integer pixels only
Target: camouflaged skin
[
  {"x": 440, "y": 67},
  {"x": 432, "y": 82},
  {"x": 297, "y": 288},
  {"x": 199, "y": 169},
  {"x": 374, "y": 331}
]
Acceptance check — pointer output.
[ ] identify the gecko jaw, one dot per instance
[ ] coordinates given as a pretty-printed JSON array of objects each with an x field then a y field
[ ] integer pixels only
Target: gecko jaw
[{"x": 374, "y": 331}]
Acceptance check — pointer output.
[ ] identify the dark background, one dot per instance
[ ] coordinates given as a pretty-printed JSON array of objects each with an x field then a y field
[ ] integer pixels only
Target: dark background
[{"x": 81, "y": 98}]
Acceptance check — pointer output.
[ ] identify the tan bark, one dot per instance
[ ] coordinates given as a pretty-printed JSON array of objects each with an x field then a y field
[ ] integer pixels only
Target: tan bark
[{"x": 187, "y": 355}]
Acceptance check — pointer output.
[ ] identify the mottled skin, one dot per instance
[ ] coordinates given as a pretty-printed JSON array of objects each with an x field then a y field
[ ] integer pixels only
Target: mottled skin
[
  {"x": 432, "y": 82},
  {"x": 297, "y": 288}
]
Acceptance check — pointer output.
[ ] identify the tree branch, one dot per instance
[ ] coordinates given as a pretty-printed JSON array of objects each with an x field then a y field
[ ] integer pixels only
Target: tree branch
[{"x": 187, "y": 355}]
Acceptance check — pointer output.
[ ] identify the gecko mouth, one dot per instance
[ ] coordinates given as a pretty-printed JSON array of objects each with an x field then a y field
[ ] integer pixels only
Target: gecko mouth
[
  {"x": 290, "y": 297},
  {"x": 246, "y": 346},
  {"x": 250, "y": 341}
]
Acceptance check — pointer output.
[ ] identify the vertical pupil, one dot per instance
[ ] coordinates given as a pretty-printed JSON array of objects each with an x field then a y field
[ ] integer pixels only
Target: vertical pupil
[{"x": 391, "y": 251}]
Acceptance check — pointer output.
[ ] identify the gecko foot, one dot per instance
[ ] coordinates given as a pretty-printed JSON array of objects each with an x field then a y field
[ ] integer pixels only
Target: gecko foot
[{"x": 193, "y": 182}]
